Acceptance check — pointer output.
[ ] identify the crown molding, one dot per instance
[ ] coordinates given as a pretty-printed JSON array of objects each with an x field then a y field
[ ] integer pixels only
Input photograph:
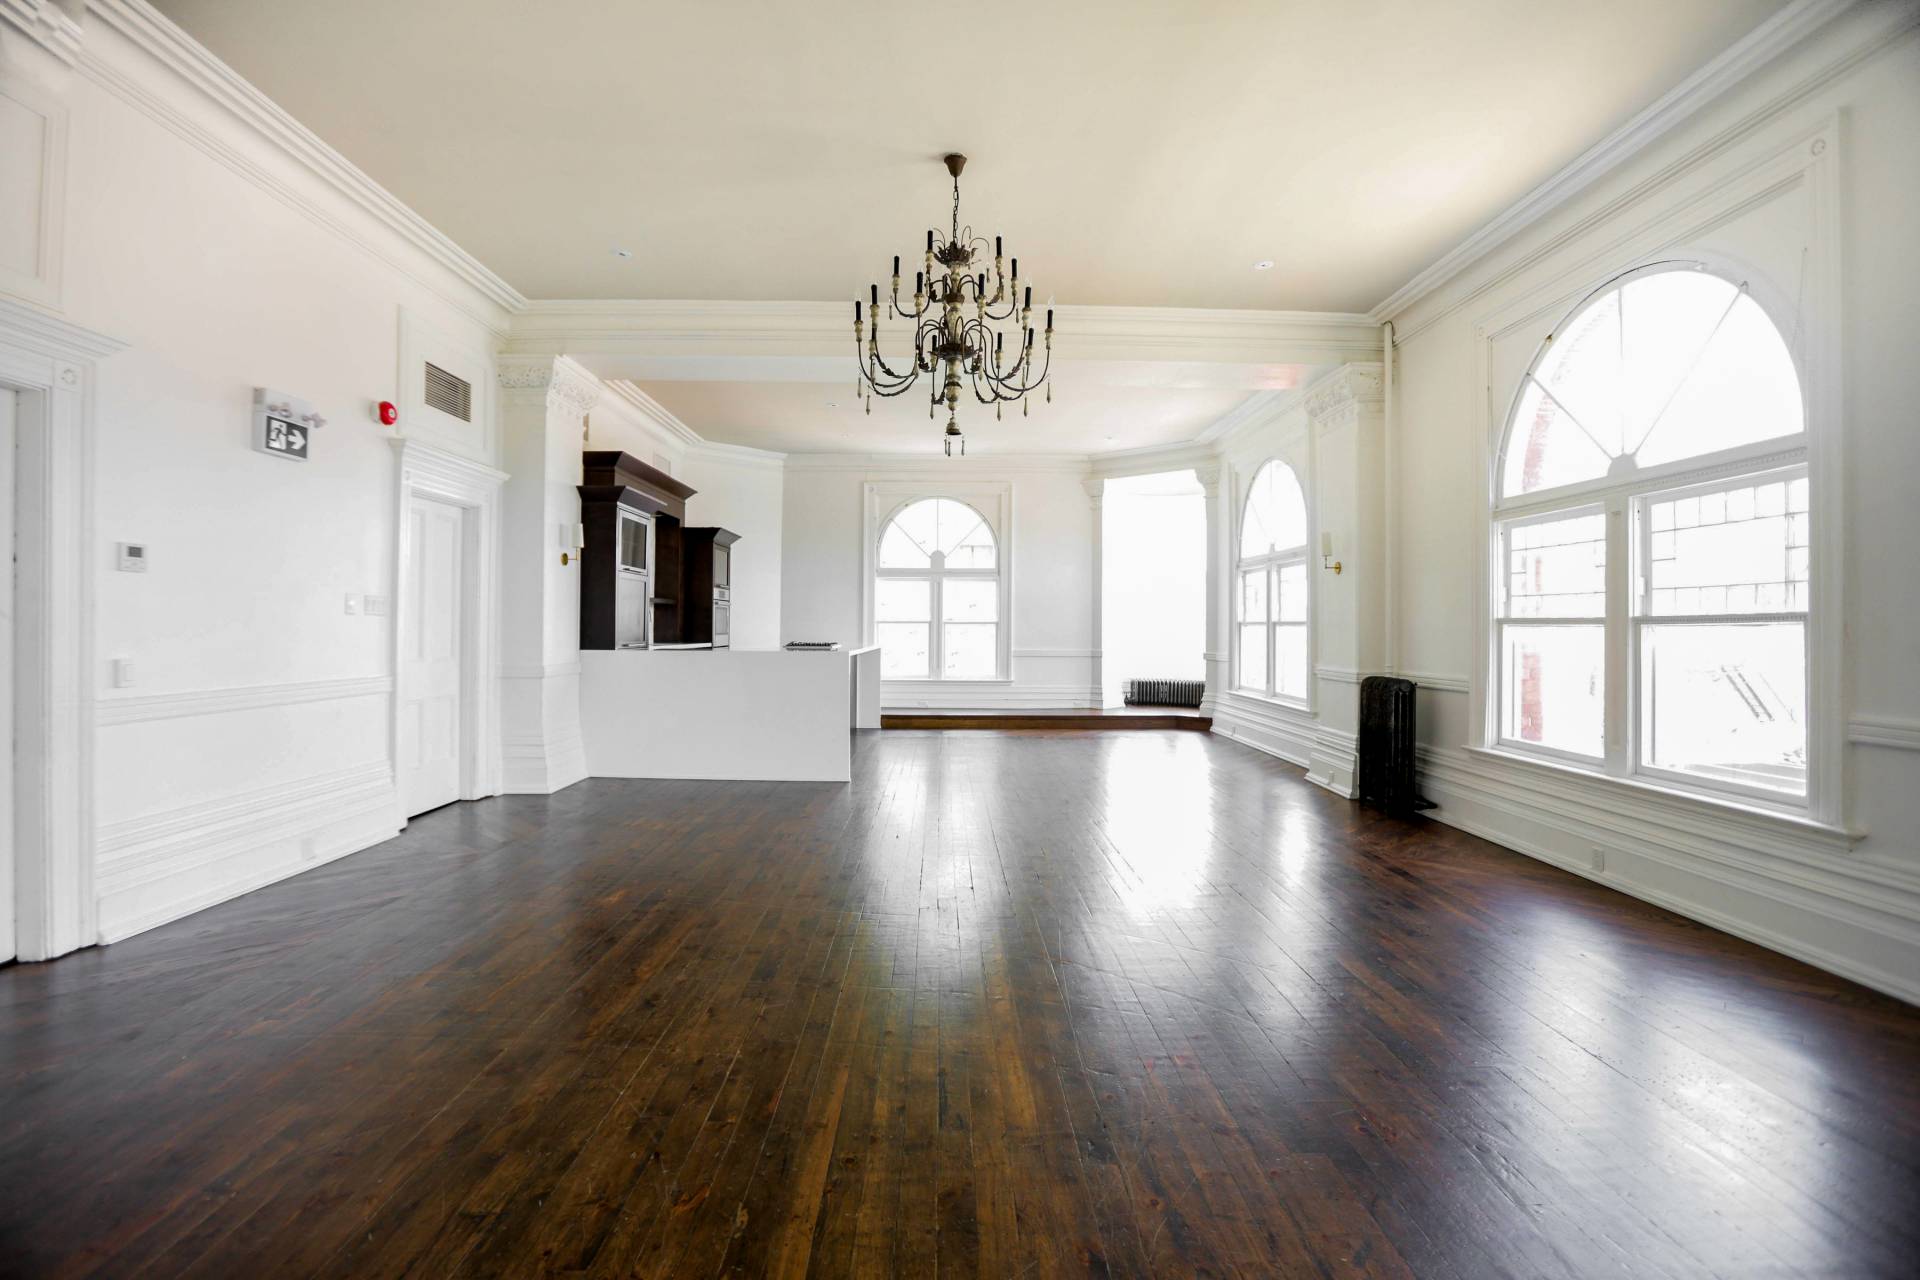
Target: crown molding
[
  {"x": 617, "y": 326},
  {"x": 1073, "y": 464},
  {"x": 1708, "y": 84},
  {"x": 47, "y": 24},
  {"x": 626, "y": 397},
  {"x": 179, "y": 53},
  {"x": 739, "y": 455}
]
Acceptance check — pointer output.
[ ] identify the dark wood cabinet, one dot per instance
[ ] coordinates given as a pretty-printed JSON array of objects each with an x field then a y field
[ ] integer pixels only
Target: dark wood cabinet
[
  {"x": 630, "y": 561},
  {"x": 645, "y": 577},
  {"x": 707, "y": 572}
]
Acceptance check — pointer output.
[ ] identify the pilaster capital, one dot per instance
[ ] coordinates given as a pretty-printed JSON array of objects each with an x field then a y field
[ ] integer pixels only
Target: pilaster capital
[
  {"x": 1339, "y": 399},
  {"x": 1208, "y": 474},
  {"x": 569, "y": 388},
  {"x": 1096, "y": 487}
]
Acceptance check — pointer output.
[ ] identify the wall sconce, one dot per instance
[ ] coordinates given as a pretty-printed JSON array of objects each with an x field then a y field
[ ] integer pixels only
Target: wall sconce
[
  {"x": 1326, "y": 553},
  {"x": 573, "y": 537}
]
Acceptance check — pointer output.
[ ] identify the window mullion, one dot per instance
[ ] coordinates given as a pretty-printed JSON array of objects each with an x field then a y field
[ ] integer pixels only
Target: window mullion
[
  {"x": 936, "y": 633},
  {"x": 1619, "y": 638}
]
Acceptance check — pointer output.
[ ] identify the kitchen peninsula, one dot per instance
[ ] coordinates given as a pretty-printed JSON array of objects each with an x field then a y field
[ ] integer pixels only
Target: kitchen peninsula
[{"x": 741, "y": 714}]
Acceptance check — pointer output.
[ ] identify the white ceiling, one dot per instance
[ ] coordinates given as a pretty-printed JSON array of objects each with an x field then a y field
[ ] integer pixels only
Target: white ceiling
[{"x": 1133, "y": 152}]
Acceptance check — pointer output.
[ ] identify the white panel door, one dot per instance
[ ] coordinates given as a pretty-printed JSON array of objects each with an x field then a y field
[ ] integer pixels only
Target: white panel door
[
  {"x": 430, "y": 657},
  {"x": 9, "y": 406}
]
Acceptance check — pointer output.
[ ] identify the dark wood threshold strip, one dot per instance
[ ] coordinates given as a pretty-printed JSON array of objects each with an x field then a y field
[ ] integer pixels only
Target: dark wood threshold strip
[{"x": 1113, "y": 718}]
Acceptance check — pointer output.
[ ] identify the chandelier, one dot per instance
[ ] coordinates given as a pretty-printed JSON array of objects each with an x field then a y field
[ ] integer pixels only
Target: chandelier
[{"x": 953, "y": 338}]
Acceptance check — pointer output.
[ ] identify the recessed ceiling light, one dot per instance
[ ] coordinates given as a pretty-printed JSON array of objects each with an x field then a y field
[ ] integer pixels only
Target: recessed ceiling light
[
  {"x": 1265, "y": 264},
  {"x": 833, "y": 404},
  {"x": 628, "y": 253}
]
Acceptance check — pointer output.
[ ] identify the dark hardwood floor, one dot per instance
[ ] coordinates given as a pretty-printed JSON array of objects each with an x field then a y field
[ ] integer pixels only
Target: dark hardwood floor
[{"x": 1024, "y": 1004}]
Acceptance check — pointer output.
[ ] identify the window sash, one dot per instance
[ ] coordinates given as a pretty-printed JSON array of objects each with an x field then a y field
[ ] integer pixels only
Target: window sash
[
  {"x": 1629, "y": 538},
  {"x": 937, "y": 624},
  {"x": 1270, "y": 568}
]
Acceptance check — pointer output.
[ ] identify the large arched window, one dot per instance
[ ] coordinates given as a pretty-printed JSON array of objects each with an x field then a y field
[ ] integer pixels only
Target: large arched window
[
  {"x": 1652, "y": 525},
  {"x": 936, "y": 593},
  {"x": 1271, "y": 602}
]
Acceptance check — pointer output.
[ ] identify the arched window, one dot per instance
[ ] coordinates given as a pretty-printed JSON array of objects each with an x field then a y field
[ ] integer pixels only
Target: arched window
[
  {"x": 936, "y": 593},
  {"x": 1271, "y": 603},
  {"x": 1653, "y": 541}
]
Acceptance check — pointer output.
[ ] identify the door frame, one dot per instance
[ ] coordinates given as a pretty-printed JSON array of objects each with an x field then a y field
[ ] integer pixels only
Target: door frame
[
  {"x": 429, "y": 471},
  {"x": 50, "y": 365}
]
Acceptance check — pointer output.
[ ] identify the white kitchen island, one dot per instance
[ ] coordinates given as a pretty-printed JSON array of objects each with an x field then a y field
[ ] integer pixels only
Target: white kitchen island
[{"x": 733, "y": 714}]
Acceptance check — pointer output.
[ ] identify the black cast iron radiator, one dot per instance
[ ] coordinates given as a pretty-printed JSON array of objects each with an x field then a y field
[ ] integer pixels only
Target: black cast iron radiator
[
  {"x": 1386, "y": 745},
  {"x": 1163, "y": 693}
]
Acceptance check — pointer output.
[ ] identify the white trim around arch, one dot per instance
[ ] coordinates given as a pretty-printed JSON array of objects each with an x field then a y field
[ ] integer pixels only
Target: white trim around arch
[{"x": 993, "y": 500}]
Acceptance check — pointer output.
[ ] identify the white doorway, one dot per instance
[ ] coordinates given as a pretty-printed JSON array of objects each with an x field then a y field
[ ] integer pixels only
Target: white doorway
[
  {"x": 433, "y": 661},
  {"x": 1153, "y": 593}
]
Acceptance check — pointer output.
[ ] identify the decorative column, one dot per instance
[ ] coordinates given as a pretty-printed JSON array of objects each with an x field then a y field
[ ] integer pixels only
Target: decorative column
[
  {"x": 1096, "y": 487},
  {"x": 1348, "y": 432},
  {"x": 1219, "y": 565},
  {"x": 543, "y": 402}
]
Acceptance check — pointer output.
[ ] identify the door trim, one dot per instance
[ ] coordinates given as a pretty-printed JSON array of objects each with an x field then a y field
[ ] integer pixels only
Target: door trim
[
  {"x": 430, "y": 471},
  {"x": 50, "y": 363}
]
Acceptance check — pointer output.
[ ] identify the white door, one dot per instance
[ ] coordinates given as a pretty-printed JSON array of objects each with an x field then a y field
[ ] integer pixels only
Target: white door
[
  {"x": 430, "y": 658},
  {"x": 9, "y": 407}
]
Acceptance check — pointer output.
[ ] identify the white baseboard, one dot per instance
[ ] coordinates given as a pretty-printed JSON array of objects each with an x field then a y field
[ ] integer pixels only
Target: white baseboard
[
  {"x": 1843, "y": 914},
  {"x": 1278, "y": 731},
  {"x": 1335, "y": 763},
  {"x": 158, "y": 868},
  {"x": 542, "y": 766}
]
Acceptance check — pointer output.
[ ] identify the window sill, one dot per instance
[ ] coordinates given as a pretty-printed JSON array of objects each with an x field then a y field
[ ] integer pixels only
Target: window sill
[{"x": 1674, "y": 801}]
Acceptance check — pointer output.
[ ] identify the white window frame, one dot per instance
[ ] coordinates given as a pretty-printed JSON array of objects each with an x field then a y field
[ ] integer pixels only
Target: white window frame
[
  {"x": 994, "y": 504},
  {"x": 1271, "y": 562},
  {"x": 1625, "y": 499}
]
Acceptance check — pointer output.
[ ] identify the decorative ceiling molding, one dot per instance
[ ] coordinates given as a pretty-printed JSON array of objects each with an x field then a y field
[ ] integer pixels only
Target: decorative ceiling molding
[
  {"x": 193, "y": 64},
  {"x": 1004, "y": 464},
  {"x": 1338, "y": 398},
  {"x": 48, "y": 24},
  {"x": 748, "y": 330},
  {"x": 1718, "y": 77},
  {"x": 626, "y": 396}
]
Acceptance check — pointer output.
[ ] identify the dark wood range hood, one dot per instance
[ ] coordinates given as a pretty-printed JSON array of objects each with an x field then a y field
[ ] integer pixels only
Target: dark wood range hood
[{"x": 646, "y": 578}]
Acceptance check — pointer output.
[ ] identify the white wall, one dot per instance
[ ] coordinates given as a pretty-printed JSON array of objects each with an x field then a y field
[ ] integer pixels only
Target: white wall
[
  {"x": 255, "y": 739},
  {"x": 1052, "y": 566},
  {"x": 1808, "y": 167},
  {"x": 744, "y": 490}
]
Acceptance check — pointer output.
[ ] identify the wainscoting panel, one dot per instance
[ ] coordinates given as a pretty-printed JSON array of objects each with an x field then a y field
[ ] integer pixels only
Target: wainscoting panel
[{"x": 208, "y": 794}]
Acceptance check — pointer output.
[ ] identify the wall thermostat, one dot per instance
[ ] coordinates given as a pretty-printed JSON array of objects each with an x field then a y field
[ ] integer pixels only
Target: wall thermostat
[
  {"x": 132, "y": 557},
  {"x": 283, "y": 424}
]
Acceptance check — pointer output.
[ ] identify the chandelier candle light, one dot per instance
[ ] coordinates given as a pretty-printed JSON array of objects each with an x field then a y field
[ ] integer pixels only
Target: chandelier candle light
[{"x": 947, "y": 340}]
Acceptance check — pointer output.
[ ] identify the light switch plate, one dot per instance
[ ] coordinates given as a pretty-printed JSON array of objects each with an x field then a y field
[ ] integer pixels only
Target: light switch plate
[
  {"x": 377, "y": 607},
  {"x": 131, "y": 557},
  {"x": 122, "y": 673},
  {"x": 353, "y": 603}
]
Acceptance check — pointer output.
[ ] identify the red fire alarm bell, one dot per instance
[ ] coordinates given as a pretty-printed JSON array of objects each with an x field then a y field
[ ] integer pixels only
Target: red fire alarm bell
[{"x": 388, "y": 414}]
